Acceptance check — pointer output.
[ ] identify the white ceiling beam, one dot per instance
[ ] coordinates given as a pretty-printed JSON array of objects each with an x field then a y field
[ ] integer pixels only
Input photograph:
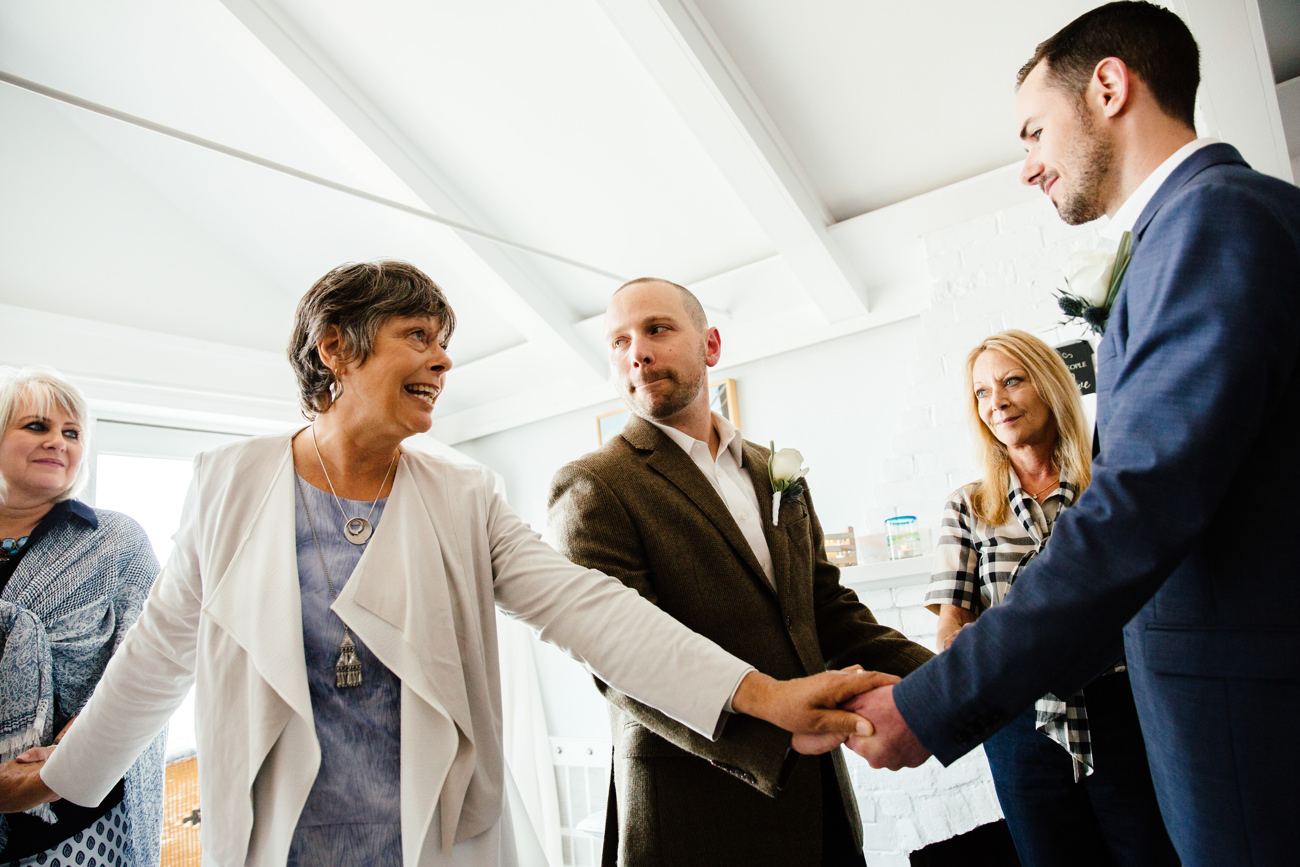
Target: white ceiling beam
[
  {"x": 521, "y": 298},
  {"x": 203, "y": 384},
  {"x": 685, "y": 57}
]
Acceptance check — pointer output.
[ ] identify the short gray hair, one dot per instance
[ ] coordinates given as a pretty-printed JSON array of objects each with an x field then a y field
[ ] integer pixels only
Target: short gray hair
[
  {"x": 44, "y": 388},
  {"x": 357, "y": 298}
]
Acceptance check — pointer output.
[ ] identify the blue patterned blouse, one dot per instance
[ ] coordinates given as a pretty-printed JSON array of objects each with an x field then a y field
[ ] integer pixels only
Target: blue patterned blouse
[
  {"x": 353, "y": 813},
  {"x": 77, "y": 589}
]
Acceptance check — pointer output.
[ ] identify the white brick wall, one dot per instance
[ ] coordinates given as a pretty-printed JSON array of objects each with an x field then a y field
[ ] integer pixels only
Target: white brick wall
[
  {"x": 992, "y": 273},
  {"x": 908, "y": 810}
]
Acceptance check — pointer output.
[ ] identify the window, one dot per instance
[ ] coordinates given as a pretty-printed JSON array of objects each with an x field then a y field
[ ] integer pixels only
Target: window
[
  {"x": 144, "y": 471},
  {"x": 150, "y": 490}
]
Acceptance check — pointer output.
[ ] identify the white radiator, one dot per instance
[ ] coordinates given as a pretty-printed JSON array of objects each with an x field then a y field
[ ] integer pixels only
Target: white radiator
[{"x": 582, "y": 785}]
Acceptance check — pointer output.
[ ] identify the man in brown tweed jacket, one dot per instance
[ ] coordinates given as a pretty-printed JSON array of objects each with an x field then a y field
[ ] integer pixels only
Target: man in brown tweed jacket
[{"x": 679, "y": 507}]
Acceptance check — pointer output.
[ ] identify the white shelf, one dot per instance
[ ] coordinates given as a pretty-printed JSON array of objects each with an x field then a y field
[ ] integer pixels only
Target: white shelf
[{"x": 913, "y": 570}]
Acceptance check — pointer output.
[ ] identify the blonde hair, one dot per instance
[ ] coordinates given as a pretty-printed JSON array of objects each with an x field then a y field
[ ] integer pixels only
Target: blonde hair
[
  {"x": 1072, "y": 454},
  {"x": 43, "y": 388}
]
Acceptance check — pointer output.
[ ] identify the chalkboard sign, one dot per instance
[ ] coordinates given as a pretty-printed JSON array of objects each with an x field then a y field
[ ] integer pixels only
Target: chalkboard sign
[{"x": 1078, "y": 358}]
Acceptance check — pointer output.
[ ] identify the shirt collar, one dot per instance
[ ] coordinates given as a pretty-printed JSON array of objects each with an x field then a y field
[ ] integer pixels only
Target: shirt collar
[
  {"x": 1127, "y": 215},
  {"x": 79, "y": 509},
  {"x": 728, "y": 437}
]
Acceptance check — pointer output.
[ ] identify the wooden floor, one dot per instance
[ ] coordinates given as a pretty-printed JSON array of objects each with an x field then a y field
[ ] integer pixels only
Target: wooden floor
[{"x": 180, "y": 834}]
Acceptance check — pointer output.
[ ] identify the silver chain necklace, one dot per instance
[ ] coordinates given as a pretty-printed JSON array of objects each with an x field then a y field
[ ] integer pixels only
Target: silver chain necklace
[
  {"x": 347, "y": 671},
  {"x": 356, "y": 530}
]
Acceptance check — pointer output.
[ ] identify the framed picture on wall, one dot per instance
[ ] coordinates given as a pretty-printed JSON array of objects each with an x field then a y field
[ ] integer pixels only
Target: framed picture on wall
[
  {"x": 609, "y": 424},
  {"x": 722, "y": 400}
]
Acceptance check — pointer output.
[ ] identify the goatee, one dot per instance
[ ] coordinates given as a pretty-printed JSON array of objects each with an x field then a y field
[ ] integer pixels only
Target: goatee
[{"x": 668, "y": 404}]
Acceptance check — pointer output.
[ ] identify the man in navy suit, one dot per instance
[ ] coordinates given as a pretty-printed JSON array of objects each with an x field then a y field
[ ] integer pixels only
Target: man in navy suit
[{"x": 1180, "y": 543}]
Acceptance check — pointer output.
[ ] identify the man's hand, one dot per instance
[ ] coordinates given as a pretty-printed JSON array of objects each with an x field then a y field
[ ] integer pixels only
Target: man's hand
[
  {"x": 893, "y": 745},
  {"x": 21, "y": 786},
  {"x": 815, "y": 745},
  {"x": 809, "y": 705}
]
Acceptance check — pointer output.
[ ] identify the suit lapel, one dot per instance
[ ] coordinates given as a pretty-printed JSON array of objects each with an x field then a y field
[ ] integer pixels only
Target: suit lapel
[
  {"x": 778, "y": 544},
  {"x": 1196, "y": 162},
  {"x": 670, "y": 461}
]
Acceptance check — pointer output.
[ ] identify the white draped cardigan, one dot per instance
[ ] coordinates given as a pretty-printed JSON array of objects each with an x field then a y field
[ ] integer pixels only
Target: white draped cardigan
[{"x": 225, "y": 614}]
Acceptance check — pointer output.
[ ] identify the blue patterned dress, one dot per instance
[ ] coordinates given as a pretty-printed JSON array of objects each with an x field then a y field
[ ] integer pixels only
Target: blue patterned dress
[{"x": 353, "y": 812}]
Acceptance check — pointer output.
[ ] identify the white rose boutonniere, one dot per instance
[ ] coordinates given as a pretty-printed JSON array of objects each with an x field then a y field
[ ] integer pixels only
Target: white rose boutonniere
[
  {"x": 785, "y": 470},
  {"x": 1092, "y": 281},
  {"x": 1087, "y": 273}
]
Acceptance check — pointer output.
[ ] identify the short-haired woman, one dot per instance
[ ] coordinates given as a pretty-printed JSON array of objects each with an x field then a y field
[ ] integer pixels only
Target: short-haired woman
[
  {"x": 1071, "y": 774},
  {"x": 72, "y": 581},
  {"x": 332, "y": 594}
]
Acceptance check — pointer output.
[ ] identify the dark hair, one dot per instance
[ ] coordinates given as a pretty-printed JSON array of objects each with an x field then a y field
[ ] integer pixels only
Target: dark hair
[
  {"x": 1153, "y": 42},
  {"x": 357, "y": 298},
  {"x": 694, "y": 309}
]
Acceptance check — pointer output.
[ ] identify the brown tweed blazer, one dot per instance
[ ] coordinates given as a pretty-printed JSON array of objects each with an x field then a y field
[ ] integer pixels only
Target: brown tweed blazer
[{"x": 638, "y": 508}]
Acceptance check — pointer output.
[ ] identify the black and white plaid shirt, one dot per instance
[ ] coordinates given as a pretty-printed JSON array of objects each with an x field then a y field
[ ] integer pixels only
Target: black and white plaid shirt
[{"x": 975, "y": 565}]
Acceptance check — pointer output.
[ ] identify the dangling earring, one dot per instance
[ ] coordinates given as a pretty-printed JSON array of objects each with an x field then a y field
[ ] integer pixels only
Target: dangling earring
[{"x": 335, "y": 386}]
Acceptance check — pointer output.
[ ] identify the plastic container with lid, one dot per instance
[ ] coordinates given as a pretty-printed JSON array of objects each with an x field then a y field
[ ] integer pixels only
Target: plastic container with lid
[{"x": 903, "y": 537}]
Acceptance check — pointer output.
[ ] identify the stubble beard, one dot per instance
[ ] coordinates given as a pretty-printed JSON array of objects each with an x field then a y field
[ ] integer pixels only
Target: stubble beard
[
  {"x": 666, "y": 405},
  {"x": 1092, "y": 159}
]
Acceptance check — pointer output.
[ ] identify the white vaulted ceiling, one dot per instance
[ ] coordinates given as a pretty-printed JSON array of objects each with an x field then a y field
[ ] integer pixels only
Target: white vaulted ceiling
[
  {"x": 884, "y": 101},
  {"x": 174, "y": 174}
]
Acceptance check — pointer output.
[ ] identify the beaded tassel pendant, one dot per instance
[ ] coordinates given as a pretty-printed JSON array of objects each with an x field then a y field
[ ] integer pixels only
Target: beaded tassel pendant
[{"x": 347, "y": 671}]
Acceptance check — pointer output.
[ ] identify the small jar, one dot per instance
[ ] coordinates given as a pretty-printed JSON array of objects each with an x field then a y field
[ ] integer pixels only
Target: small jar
[{"x": 902, "y": 537}]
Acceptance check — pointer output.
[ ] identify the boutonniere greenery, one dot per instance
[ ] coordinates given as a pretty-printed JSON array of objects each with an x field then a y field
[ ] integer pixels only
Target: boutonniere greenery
[
  {"x": 785, "y": 470},
  {"x": 1092, "y": 281}
]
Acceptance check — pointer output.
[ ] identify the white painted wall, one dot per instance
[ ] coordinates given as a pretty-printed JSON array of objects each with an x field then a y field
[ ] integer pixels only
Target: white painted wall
[
  {"x": 1288, "y": 102},
  {"x": 989, "y": 274}
]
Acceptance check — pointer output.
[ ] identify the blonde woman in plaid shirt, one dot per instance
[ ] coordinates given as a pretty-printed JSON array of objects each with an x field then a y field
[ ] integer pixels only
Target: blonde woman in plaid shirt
[{"x": 1072, "y": 774}]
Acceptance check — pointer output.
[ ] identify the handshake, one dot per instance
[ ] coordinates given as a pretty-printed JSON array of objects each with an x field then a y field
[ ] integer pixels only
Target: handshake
[{"x": 851, "y": 707}]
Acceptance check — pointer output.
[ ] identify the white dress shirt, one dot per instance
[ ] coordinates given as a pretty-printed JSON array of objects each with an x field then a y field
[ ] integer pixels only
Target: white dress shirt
[
  {"x": 732, "y": 483},
  {"x": 1127, "y": 215}
]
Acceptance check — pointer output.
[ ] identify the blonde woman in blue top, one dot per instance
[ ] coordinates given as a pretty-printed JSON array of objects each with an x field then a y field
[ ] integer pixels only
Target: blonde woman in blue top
[{"x": 72, "y": 581}]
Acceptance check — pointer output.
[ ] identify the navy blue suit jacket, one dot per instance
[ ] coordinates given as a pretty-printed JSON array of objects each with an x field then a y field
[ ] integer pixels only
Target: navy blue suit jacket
[{"x": 1182, "y": 542}]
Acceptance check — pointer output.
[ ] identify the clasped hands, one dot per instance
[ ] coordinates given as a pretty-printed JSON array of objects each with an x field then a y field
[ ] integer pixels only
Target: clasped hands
[{"x": 850, "y": 707}]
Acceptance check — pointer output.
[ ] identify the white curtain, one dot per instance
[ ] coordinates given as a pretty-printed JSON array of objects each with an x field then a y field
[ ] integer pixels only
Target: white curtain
[{"x": 527, "y": 747}]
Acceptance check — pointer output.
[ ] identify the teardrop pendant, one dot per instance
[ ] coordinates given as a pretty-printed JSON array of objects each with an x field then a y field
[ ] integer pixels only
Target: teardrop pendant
[{"x": 347, "y": 671}]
